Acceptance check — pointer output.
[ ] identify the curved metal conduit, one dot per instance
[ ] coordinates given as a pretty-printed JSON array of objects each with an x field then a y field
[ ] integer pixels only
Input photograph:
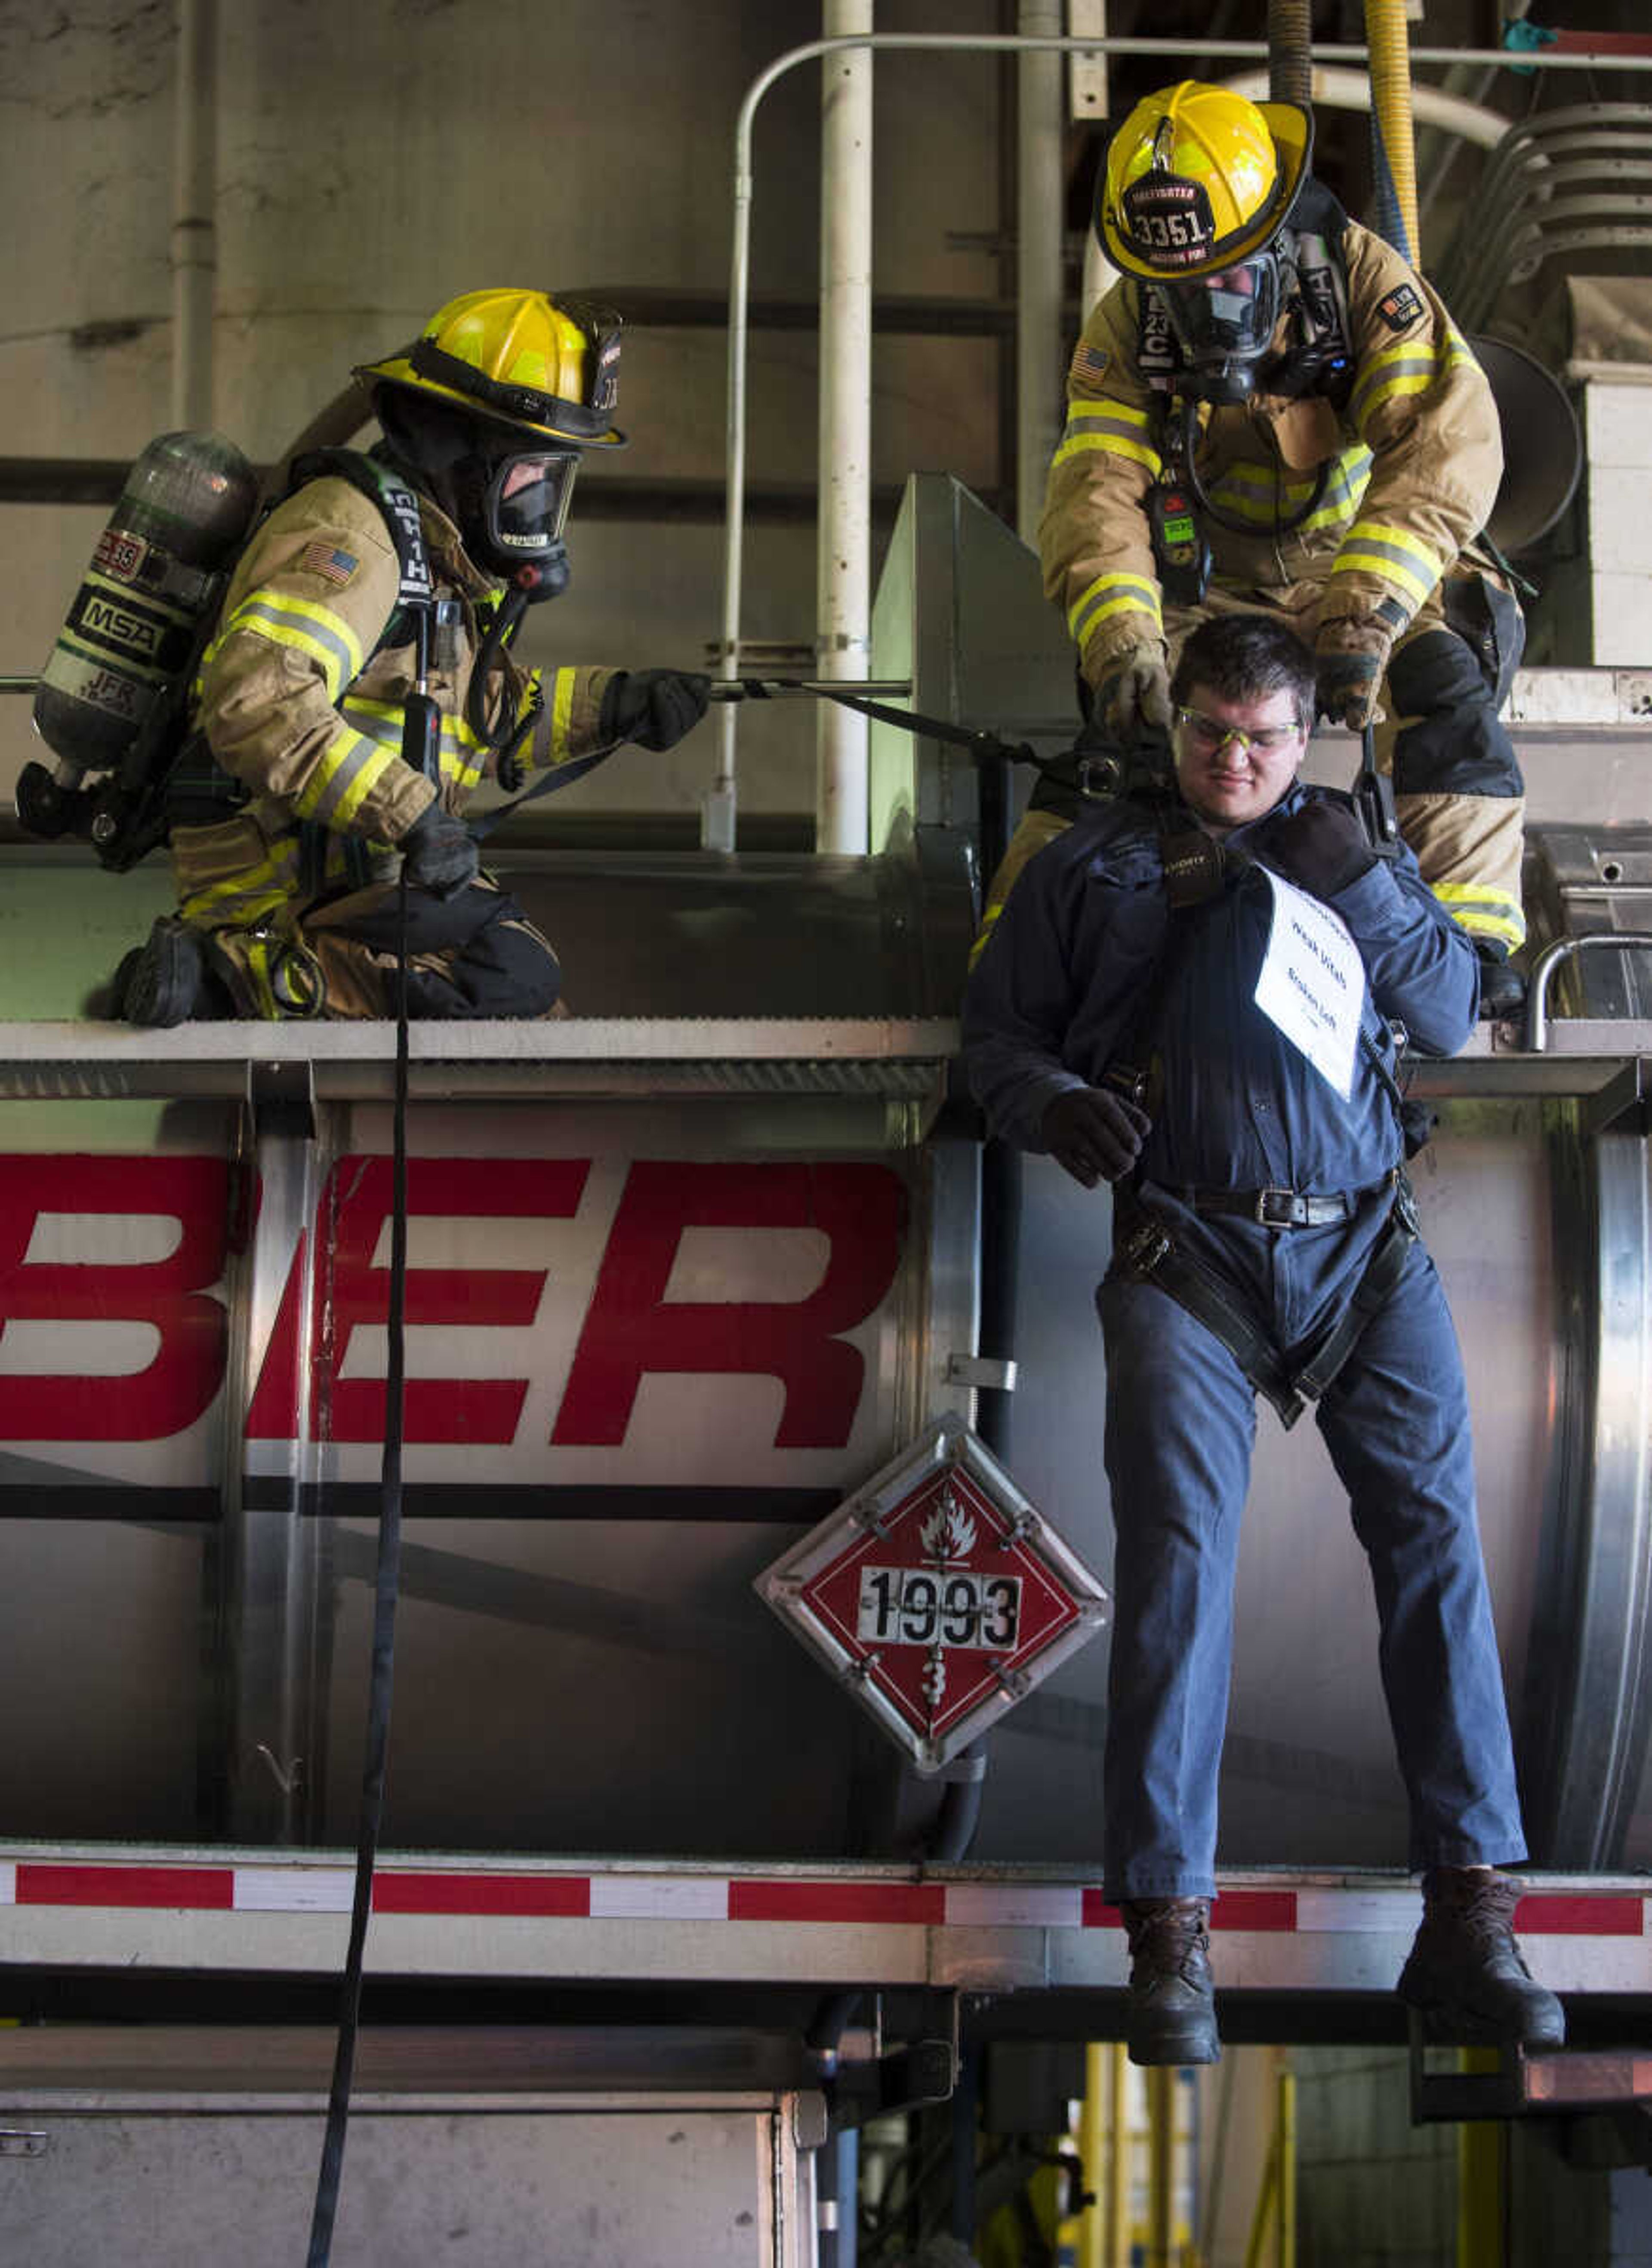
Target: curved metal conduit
[
  {"x": 1589, "y": 1703},
  {"x": 719, "y": 805}
]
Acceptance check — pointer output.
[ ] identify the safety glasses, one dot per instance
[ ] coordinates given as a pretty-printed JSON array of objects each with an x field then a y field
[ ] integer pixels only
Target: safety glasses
[{"x": 1209, "y": 733}]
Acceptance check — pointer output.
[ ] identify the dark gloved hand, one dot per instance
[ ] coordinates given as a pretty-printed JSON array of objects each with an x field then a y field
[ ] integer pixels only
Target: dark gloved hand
[
  {"x": 1349, "y": 658},
  {"x": 440, "y": 853},
  {"x": 1094, "y": 1134},
  {"x": 653, "y": 707},
  {"x": 1322, "y": 848},
  {"x": 1134, "y": 696}
]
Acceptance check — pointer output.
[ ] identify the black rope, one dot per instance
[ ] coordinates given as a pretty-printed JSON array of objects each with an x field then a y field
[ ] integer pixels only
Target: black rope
[{"x": 382, "y": 1678}]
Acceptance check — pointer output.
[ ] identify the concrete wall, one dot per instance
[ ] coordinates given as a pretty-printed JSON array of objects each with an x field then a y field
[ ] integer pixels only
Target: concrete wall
[{"x": 375, "y": 159}]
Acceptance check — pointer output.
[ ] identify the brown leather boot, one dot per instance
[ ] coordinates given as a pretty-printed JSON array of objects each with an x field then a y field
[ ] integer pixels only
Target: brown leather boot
[
  {"x": 1465, "y": 1973},
  {"x": 1171, "y": 2015}
]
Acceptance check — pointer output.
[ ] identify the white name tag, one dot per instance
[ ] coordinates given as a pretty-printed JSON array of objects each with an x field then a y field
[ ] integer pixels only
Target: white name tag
[{"x": 1312, "y": 984}]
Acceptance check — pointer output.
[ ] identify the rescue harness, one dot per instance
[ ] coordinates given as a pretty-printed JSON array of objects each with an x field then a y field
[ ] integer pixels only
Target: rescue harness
[{"x": 1145, "y": 1246}]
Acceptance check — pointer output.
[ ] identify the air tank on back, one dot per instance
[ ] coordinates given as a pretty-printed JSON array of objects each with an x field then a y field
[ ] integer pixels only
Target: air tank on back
[{"x": 131, "y": 628}]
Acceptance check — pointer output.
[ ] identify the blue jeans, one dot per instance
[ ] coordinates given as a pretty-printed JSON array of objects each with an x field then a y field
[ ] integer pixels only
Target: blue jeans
[{"x": 1181, "y": 1423}]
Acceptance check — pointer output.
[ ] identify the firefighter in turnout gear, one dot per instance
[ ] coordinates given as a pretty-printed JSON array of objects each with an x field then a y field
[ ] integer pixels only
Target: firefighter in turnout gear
[
  {"x": 287, "y": 835},
  {"x": 1272, "y": 410}
]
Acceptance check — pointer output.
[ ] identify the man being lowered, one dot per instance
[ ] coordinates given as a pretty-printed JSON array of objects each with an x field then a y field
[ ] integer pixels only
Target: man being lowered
[{"x": 1263, "y": 1241}]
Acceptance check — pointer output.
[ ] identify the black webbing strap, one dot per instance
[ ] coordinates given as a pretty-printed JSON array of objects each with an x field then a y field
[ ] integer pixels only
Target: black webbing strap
[{"x": 1150, "y": 1252}]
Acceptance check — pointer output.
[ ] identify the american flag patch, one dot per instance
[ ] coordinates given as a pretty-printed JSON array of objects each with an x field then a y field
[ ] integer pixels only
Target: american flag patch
[
  {"x": 327, "y": 559},
  {"x": 1090, "y": 362}
]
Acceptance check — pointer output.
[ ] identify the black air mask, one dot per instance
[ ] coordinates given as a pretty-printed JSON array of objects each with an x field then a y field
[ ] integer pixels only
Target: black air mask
[
  {"x": 1224, "y": 325},
  {"x": 510, "y": 505}
]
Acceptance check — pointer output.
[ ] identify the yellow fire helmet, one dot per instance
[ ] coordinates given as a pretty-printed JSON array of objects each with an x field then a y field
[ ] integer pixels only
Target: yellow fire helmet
[
  {"x": 1198, "y": 179},
  {"x": 548, "y": 367}
]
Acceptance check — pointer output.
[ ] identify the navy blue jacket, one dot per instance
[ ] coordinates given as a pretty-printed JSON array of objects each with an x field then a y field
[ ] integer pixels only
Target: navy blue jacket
[{"x": 1058, "y": 991}]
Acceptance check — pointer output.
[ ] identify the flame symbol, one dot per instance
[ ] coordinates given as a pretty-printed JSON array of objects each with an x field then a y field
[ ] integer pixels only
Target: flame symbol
[{"x": 949, "y": 1532}]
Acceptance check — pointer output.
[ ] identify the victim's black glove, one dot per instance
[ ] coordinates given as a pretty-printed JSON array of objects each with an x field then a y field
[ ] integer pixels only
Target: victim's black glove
[
  {"x": 440, "y": 853},
  {"x": 1094, "y": 1134},
  {"x": 653, "y": 707},
  {"x": 1322, "y": 848}
]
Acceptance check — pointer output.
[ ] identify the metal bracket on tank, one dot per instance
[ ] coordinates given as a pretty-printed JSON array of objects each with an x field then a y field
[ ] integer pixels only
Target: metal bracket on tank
[
  {"x": 281, "y": 1097},
  {"x": 1541, "y": 2082}
]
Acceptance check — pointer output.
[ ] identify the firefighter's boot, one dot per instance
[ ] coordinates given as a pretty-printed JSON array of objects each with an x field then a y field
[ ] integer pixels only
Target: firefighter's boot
[
  {"x": 1465, "y": 1974},
  {"x": 1502, "y": 986},
  {"x": 168, "y": 978},
  {"x": 1170, "y": 2014}
]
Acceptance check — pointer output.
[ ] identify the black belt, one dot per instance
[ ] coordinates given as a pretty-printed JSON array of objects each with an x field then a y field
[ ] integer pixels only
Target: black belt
[
  {"x": 1147, "y": 1249},
  {"x": 1275, "y": 1208}
]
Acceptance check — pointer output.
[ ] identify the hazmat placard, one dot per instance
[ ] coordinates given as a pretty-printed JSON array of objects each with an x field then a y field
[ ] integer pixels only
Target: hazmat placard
[{"x": 936, "y": 1593}]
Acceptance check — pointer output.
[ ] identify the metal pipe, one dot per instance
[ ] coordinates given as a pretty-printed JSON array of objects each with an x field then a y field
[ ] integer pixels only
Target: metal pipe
[
  {"x": 1549, "y": 959},
  {"x": 1091, "y": 2161},
  {"x": 842, "y": 561},
  {"x": 1038, "y": 217},
  {"x": 1118, "y": 2157},
  {"x": 193, "y": 228},
  {"x": 718, "y": 811},
  {"x": 1350, "y": 90},
  {"x": 1162, "y": 2245}
]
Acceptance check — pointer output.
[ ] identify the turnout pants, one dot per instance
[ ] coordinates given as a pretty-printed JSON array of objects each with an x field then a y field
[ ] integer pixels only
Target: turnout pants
[
  {"x": 1181, "y": 1426},
  {"x": 474, "y": 954}
]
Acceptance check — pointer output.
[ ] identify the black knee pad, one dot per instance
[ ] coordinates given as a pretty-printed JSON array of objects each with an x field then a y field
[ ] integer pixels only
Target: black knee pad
[{"x": 1458, "y": 745}]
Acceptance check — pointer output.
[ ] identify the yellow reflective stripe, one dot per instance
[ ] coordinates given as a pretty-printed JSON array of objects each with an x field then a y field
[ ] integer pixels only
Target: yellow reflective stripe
[
  {"x": 346, "y": 772},
  {"x": 1113, "y": 594},
  {"x": 258, "y": 969},
  {"x": 1384, "y": 370},
  {"x": 988, "y": 921},
  {"x": 562, "y": 693},
  {"x": 1411, "y": 368},
  {"x": 1252, "y": 493},
  {"x": 1476, "y": 908},
  {"x": 1342, "y": 495},
  {"x": 463, "y": 753},
  {"x": 303, "y": 627},
  {"x": 383, "y": 721},
  {"x": 1373, "y": 546},
  {"x": 1107, "y": 445},
  {"x": 257, "y": 890}
]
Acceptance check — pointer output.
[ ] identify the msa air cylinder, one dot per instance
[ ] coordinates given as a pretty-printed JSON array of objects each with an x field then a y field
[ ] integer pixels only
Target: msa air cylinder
[{"x": 132, "y": 627}]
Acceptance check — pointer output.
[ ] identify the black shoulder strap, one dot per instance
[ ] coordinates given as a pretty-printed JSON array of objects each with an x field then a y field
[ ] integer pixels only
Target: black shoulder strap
[{"x": 399, "y": 508}]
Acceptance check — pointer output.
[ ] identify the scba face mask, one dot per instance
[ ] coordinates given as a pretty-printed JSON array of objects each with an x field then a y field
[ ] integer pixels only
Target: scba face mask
[
  {"x": 520, "y": 521},
  {"x": 1224, "y": 325}
]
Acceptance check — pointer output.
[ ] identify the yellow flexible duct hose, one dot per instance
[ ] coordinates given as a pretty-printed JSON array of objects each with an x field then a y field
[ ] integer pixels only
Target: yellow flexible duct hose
[
  {"x": 1390, "y": 106},
  {"x": 1290, "y": 50}
]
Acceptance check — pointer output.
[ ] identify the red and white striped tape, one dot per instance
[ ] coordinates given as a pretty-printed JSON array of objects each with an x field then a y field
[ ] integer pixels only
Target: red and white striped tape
[{"x": 191, "y": 1888}]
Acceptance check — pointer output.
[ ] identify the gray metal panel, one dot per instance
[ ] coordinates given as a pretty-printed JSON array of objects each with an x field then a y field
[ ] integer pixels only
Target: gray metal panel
[{"x": 569, "y": 2189}]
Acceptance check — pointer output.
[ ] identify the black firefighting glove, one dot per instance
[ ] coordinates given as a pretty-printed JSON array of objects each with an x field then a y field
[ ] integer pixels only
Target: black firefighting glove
[
  {"x": 1134, "y": 696},
  {"x": 653, "y": 707},
  {"x": 1349, "y": 658},
  {"x": 1322, "y": 848},
  {"x": 440, "y": 853},
  {"x": 1094, "y": 1134}
]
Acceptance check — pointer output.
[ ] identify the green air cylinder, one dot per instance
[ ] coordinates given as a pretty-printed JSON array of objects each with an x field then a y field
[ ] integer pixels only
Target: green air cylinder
[{"x": 185, "y": 510}]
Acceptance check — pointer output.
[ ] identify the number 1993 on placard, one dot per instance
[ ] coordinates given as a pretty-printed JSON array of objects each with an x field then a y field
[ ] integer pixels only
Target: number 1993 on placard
[{"x": 923, "y": 1606}]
